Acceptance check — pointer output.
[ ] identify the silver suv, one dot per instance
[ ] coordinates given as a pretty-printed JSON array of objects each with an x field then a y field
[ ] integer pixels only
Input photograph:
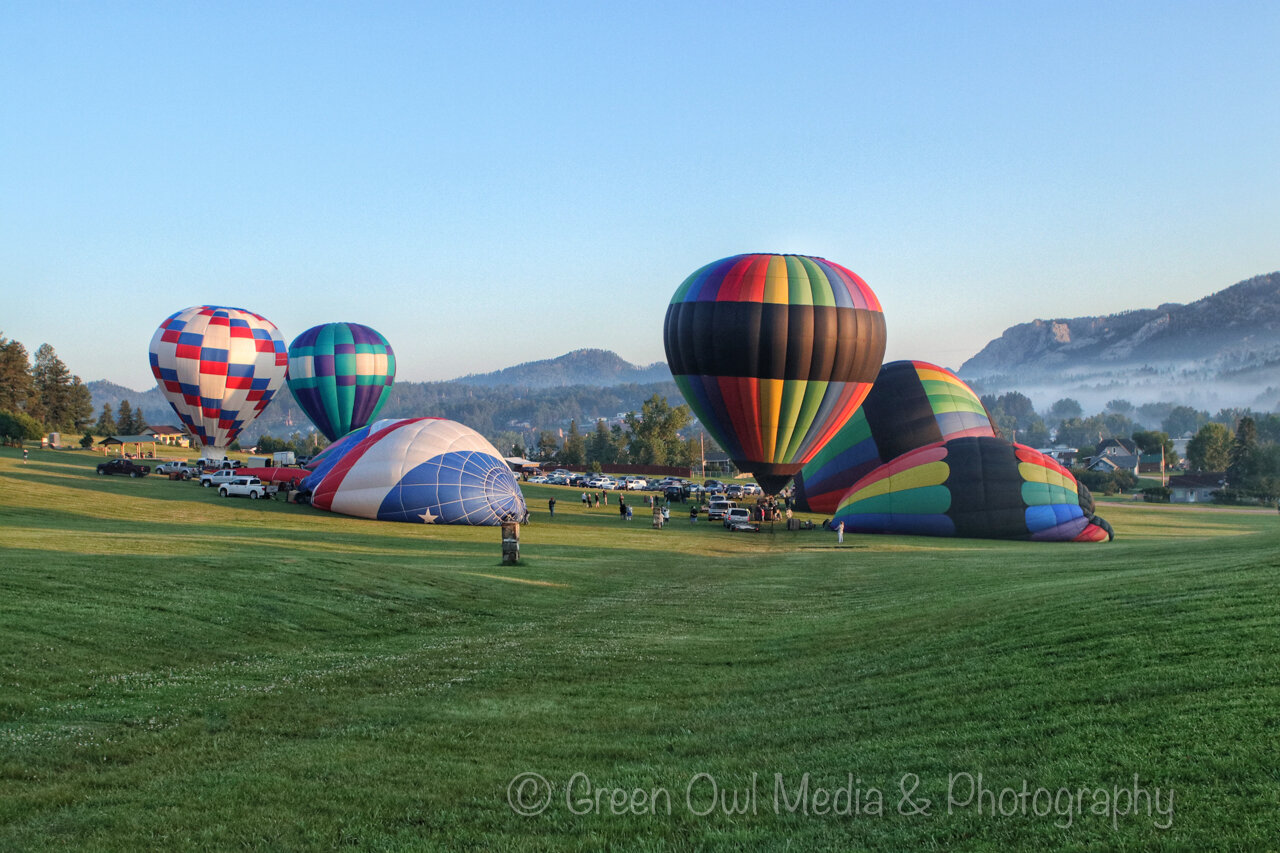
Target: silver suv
[{"x": 716, "y": 510}]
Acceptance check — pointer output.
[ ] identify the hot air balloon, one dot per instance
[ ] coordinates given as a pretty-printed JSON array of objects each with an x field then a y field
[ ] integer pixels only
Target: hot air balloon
[
  {"x": 773, "y": 353},
  {"x": 322, "y": 462},
  {"x": 218, "y": 368},
  {"x": 341, "y": 374},
  {"x": 980, "y": 487},
  {"x": 911, "y": 404},
  {"x": 420, "y": 470}
]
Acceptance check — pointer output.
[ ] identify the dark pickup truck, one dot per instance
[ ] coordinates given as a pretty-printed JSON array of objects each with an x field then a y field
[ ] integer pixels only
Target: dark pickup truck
[{"x": 124, "y": 466}]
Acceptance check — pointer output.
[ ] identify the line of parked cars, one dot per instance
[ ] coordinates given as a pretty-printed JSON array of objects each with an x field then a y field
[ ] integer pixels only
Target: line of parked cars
[{"x": 673, "y": 487}]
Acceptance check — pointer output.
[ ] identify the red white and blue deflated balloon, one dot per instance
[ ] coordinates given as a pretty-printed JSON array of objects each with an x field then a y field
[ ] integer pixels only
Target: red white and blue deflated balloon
[{"x": 418, "y": 470}]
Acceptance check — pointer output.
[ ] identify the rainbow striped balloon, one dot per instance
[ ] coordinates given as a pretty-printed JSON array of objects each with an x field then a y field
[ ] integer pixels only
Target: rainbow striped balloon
[
  {"x": 985, "y": 488},
  {"x": 911, "y": 404},
  {"x": 773, "y": 353}
]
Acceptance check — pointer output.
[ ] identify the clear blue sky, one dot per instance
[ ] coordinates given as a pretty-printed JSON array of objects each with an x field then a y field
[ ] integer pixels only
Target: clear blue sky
[{"x": 488, "y": 184}]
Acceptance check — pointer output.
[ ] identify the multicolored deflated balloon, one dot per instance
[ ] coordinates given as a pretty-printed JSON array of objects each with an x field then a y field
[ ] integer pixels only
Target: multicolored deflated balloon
[
  {"x": 773, "y": 353},
  {"x": 979, "y": 487},
  {"x": 911, "y": 404}
]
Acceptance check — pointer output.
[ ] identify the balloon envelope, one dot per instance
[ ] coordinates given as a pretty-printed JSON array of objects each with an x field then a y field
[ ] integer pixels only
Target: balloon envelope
[
  {"x": 911, "y": 404},
  {"x": 421, "y": 470},
  {"x": 341, "y": 374},
  {"x": 773, "y": 353},
  {"x": 219, "y": 368},
  {"x": 985, "y": 488}
]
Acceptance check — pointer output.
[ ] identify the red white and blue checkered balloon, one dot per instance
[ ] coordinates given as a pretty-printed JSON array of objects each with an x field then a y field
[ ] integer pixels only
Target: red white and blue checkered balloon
[{"x": 218, "y": 368}]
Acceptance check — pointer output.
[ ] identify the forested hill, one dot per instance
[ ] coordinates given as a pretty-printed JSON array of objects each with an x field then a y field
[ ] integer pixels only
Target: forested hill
[
  {"x": 492, "y": 411},
  {"x": 594, "y": 367}
]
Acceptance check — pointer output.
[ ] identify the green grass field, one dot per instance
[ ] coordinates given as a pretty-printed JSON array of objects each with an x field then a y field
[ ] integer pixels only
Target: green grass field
[{"x": 183, "y": 671}]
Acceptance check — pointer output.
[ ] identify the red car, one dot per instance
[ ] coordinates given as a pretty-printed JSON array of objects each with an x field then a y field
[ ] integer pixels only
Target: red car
[{"x": 124, "y": 466}]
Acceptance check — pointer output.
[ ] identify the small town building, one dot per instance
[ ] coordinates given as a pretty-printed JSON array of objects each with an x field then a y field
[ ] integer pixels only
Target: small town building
[{"x": 1196, "y": 488}]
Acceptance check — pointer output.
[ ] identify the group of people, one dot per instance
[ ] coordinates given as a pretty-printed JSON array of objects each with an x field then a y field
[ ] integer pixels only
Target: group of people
[
  {"x": 766, "y": 508},
  {"x": 594, "y": 499}
]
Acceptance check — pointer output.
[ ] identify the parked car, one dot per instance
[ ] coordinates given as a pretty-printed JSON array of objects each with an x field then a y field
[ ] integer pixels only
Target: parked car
[
  {"x": 124, "y": 466},
  {"x": 737, "y": 515},
  {"x": 250, "y": 487},
  {"x": 734, "y": 491},
  {"x": 218, "y": 478},
  {"x": 713, "y": 485},
  {"x": 174, "y": 466},
  {"x": 538, "y": 478},
  {"x": 218, "y": 464},
  {"x": 633, "y": 484},
  {"x": 577, "y": 479},
  {"x": 600, "y": 481},
  {"x": 716, "y": 510},
  {"x": 752, "y": 489}
]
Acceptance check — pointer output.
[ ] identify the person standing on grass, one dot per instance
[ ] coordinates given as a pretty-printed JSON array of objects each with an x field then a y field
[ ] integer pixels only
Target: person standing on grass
[
  {"x": 840, "y": 533},
  {"x": 24, "y": 455},
  {"x": 622, "y": 509},
  {"x": 551, "y": 505},
  {"x": 693, "y": 514}
]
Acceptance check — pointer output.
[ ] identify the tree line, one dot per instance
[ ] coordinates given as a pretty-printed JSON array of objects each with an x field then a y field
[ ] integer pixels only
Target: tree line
[
  {"x": 650, "y": 436},
  {"x": 1240, "y": 443},
  {"x": 39, "y": 395}
]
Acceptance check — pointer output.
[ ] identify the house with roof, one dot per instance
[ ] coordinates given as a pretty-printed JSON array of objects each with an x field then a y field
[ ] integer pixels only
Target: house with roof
[
  {"x": 1115, "y": 454},
  {"x": 1196, "y": 488},
  {"x": 166, "y": 434}
]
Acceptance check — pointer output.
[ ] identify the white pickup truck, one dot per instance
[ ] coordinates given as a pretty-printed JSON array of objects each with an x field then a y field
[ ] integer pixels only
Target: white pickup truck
[{"x": 249, "y": 487}]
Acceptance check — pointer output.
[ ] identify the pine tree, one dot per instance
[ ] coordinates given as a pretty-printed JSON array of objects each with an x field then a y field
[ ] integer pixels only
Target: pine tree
[
  {"x": 16, "y": 389},
  {"x": 124, "y": 418},
  {"x": 106, "y": 424},
  {"x": 52, "y": 381},
  {"x": 575, "y": 446},
  {"x": 80, "y": 404}
]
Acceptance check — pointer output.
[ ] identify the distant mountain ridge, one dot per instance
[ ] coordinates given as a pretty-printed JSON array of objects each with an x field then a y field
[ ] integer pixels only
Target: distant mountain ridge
[
  {"x": 1224, "y": 348},
  {"x": 582, "y": 385},
  {"x": 596, "y": 367}
]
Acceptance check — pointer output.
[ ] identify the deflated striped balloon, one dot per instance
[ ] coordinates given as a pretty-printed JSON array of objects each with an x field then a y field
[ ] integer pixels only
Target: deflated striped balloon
[
  {"x": 774, "y": 353},
  {"x": 911, "y": 404},
  {"x": 341, "y": 374},
  {"x": 418, "y": 470},
  {"x": 979, "y": 487}
]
